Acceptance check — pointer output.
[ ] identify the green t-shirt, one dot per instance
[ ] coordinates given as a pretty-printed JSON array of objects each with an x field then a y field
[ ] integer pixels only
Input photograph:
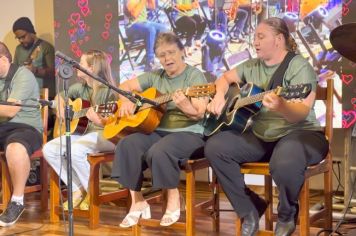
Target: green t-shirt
[
  {"x": 43, "y": 57},
  {"x": 174, "y": 120},
  {"x": 268, "y": 125},
  {"x": 24, "y": 88},
  {"x": 83, "y": 91}
]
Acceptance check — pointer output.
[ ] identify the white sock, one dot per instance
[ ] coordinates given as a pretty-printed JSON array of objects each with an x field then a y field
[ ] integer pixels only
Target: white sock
[{"x": 18, "y": 199}]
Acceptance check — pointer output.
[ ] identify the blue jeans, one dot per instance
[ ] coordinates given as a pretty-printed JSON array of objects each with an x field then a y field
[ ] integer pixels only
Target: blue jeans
[{"x": 147, "y": 31}]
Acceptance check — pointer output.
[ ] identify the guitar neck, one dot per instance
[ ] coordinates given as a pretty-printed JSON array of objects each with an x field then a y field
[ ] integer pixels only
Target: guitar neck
[
  {"x": 159, "y": 101},
  {"x": 251, "y": 99}
]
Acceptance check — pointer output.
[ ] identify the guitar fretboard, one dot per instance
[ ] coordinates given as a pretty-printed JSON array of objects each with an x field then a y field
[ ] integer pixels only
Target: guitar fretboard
[
  {"x": 252, "y": 99},
  {"x": 159, "y": 101}
]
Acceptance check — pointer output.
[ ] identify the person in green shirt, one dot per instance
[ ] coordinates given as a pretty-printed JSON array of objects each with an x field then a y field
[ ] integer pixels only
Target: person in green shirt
[
  {"x": 174, "y": 141},
  {"x": 35, "y": 53},
  {"x": 285, "y": 133},
  {"x": 92, "y": 140},
  {"x": 20, "y": 129}
]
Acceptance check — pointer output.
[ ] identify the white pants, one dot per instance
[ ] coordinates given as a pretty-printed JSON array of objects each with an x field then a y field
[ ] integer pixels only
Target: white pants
[{"x": 81, "y": 146}]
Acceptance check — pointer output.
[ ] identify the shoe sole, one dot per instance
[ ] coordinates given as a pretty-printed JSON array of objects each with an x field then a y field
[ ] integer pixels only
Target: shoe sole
[{"x": 3, "y": 224}]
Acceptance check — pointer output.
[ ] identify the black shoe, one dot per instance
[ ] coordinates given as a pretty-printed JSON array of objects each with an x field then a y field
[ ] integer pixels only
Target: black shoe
[
  {"x": 250, "y": 225},
  {"x": 11, "y": 214},
  {"x": 284, "y": 228}
]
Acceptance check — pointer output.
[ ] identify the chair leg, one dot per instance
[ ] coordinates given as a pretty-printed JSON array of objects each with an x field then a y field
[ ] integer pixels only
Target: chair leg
[
  {"x": 238, "y": 226},
  {"x": 304, "y": 209},
  {"x": 94, "y": 211},
  {"x": 190, "y": 203},
  {"x": 6, "y": 183},
  {"x": 54, "y": 197},
  {"x": 269, "y": 200},
  {"x": 328, "y": 199},
  {"x": 44, "y": 184},
  {"x": 216, "y": 204}
]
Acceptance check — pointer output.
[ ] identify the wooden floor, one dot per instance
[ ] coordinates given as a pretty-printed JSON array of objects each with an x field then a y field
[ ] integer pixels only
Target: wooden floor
[{"x": 34, "y": 222}]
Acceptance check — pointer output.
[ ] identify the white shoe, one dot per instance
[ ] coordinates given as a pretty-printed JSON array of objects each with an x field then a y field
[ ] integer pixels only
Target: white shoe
[
  {"x": 132, "y": 217},
  {"x": 170, "y": 217}
]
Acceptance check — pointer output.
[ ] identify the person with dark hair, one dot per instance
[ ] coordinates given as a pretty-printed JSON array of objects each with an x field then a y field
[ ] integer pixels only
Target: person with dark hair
[
  {"x": 34, "y": 53},
  {"x": 20, "y": 129},
  {"x": 286, "y": 134},
  {"x": 92, "y": 140},
  {"x": 174, "y": 141}
]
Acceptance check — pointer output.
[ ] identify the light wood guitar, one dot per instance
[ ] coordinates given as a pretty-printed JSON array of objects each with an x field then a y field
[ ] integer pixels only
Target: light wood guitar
[
  {"x": 148, "y": 117},
  {"x": 79, "y": 122}
]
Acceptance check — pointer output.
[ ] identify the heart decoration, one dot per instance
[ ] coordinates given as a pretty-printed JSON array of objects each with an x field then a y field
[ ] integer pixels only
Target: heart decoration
[
  {"x": 105, "y": 35},
  {"x": 348, "y": 118},
  {"x": 347, "y": 79}
]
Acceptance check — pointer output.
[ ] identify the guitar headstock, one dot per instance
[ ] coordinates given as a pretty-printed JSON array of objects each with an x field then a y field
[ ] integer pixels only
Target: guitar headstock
[
  {"x": 203, "y": 90},
  {"x": 294, "y": 91},
  {"x": 107, "y": 109}
]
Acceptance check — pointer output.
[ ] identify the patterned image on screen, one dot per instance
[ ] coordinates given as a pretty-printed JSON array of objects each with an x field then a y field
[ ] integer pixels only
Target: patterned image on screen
[{"x": 82, "y": 25}]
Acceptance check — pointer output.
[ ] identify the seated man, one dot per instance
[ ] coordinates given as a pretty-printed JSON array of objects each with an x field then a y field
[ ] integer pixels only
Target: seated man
[{"x": 20, "y": 128}]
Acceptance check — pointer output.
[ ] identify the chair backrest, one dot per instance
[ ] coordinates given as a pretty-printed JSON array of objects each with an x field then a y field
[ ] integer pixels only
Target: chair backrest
[
  {"x": 327, "y": 95},
  {"x": 44, "y": 114}
]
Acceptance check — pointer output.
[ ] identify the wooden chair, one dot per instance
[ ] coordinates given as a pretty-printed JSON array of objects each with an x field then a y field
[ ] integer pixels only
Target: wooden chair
[
  {"x": 191, "y": 206},
  {"x": 324, "y": 167},
  {"x": 43, "y": 186},
  {"x": 96, "y": 197}
]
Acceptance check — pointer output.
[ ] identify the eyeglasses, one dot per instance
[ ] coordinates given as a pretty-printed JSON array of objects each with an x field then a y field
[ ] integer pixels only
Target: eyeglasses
[
  {"x": 169, "y": 53},
  {"x": 22, "y": 37}
]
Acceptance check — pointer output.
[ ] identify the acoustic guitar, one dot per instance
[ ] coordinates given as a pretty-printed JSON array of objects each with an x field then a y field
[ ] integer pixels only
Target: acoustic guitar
[
  {"x": 79, "y": 122},
  {"x": 148, "y": 116},
  {"x": 244, "y": 103}
]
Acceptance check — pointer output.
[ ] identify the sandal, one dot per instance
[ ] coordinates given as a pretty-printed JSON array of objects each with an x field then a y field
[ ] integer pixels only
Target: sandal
[
  {"x": 170, "y": 217},
  {"x": 132, "y": 217}
]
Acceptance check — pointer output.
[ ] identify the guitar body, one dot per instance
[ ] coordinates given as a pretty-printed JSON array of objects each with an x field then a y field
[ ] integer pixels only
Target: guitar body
[
  {"x": 77, "y": 126},
  {"x": 232, "y": 117},
  {"x": 145, "y": 120}
]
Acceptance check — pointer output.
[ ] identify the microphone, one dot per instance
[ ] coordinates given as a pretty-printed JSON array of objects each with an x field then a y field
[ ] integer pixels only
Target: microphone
[
  {"x": 44, "y": 102},
  {"x": 66, "y": 58}
]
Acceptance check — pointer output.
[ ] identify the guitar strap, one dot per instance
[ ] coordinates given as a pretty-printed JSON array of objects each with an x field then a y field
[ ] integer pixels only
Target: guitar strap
[{"x": 277, "y": 77}]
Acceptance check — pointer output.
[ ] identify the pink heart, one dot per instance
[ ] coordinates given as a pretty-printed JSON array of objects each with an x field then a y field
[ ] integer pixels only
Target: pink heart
[
  {"x": 82, "y": 3},
  {"x": 347, "y": 3},
  {"x": 108, "y": 17},
  {"x": 353, "y": 102},
  {"x": 347, "y": 79},
  {"x": 74, "y": 18},
  {"x": 348, "y": 118},
  {"x": 107, "y": 26},
  {"x": 85, "y": 11},
  {"x": 71, "y": 32},
  {"x": 105, "y": 35}
]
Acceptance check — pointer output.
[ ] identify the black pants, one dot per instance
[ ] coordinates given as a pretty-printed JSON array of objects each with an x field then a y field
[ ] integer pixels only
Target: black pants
[
  {"x": 193, "y": 25},
  {"x": 288, "y": 157},
  {"x": 164, "y": 153},
  {"x": 27, "y": 135}
]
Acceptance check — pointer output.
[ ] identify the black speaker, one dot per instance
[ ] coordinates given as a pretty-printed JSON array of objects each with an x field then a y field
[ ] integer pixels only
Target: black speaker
[{"x": 34, "y": 177}]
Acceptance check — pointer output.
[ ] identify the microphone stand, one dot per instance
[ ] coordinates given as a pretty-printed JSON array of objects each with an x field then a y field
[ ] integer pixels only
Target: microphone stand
[
  {"x": 65, "y": 72},
  {"x": 135, "y": 98}
]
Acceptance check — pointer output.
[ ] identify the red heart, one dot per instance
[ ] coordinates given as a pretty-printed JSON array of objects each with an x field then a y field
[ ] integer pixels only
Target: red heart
[
  {"x": 74, "y": 18},
  {"x": 347, "y": 79},
  {"x": 108, "y": 17},
  {"x": 105, "y": 35},
  {"x": 85, "y": 11},
  {"x": 345, "y": 10},
  {"x": 348, "y": 118},
  {"x": 71, "y": 32}
]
